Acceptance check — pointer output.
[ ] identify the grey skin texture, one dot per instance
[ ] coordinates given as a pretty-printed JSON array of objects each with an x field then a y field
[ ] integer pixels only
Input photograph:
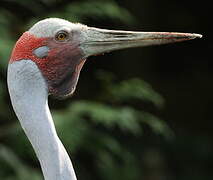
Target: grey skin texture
[{"x": 41, "y": 52}]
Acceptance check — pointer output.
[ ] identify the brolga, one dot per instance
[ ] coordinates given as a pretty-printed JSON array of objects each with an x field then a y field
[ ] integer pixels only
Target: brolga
[{"x": 47, "y": 60}]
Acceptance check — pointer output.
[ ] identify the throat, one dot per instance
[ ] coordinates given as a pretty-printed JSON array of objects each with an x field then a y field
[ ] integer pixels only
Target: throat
[
  {"x": 29, "y": 98},
  {"x": 65, "y": 85}
]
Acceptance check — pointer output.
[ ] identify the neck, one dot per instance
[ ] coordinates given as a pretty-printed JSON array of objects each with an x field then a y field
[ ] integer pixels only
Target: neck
[{"x": 29, "y": 96}]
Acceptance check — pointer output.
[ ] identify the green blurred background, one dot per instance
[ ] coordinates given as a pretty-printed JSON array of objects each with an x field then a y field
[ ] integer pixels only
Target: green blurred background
[{"x": 137, "y": 114}]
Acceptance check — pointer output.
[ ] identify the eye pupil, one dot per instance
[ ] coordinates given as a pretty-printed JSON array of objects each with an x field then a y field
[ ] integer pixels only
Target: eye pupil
[{"x": 61, "y": 36}]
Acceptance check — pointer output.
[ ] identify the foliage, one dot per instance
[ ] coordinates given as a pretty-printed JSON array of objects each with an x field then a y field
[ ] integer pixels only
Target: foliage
[
  {"x": 97, "y": 10},
  {"x": 21, "y": 171}
]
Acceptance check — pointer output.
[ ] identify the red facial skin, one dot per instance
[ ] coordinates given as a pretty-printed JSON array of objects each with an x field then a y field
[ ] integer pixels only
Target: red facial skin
[{"x": 61, "y": 67}]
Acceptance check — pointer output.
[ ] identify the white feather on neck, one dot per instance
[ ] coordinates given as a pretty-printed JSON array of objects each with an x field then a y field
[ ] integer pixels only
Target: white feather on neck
[{"x": 29, "y": 96}]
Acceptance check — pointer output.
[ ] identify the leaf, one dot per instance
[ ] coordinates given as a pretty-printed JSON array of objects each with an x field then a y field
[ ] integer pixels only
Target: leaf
[
  {"x": 71, "y": 129},
  {"x": 78, "y": 11},
  {"x": 125, "y": 168},
  {"x": 6, "y": 42},
  {"x": 157, "y": 125},
  {"x": 106, "y": 115},
  {"x": 128, "y": 90},
  {"x": 136, "y": 89},
  {"x": 22, "y": 171}
]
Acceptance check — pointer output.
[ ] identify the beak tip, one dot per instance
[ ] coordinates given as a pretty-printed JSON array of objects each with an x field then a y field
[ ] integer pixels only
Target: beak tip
[{"x": 194, "y": 35}]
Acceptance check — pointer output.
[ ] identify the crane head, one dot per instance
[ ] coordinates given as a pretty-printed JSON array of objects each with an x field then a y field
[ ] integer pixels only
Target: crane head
[{"x": 59, "y": 48}]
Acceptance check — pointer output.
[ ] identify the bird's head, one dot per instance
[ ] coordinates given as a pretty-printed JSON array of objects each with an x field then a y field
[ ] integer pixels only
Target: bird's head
[{"x": 59, "y": 48}]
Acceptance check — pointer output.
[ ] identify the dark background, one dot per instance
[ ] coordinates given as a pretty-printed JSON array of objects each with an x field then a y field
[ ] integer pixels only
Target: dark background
[{"x": 181, "y": 73}]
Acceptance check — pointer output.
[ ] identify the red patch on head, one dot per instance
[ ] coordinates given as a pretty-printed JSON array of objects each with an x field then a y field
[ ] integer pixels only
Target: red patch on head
[{"x": 24, "y": 47}]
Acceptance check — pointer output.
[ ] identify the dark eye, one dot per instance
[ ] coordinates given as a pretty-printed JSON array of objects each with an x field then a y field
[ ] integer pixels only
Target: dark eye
[{"x": 61, "y": 36}]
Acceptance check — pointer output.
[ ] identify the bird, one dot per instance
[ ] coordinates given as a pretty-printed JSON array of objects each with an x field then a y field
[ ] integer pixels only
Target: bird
[{"x": 47, "y": 60}]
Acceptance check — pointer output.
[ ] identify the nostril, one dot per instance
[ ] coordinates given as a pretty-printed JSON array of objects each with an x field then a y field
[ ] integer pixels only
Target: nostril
[{"x": 41, "y": 52}]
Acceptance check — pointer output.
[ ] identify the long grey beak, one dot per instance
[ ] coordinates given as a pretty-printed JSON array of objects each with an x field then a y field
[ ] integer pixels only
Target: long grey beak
[{"x": 97, "y": 41}]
